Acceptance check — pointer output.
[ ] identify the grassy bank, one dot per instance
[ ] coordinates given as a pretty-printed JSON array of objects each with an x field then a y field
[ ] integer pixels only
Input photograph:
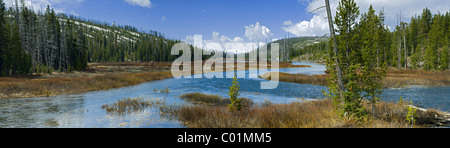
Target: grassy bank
[
  {"x": 300, "y": 78},
  {"x": 99, "y": 76},
  {"x": 405, "y": 77},
  {"x": 11, "y": 88},
  {"x": 312, "y": 114},
  {"x": 395, "y": 78}
]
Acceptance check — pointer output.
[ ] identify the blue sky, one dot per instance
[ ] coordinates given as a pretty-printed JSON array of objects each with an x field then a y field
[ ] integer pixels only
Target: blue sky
[
  {"x": 180, "y": 18},
  {"x": 229, "y": 20}
]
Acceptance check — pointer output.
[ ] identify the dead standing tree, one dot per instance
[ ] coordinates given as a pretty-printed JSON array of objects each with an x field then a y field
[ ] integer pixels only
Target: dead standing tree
[{"x": 335, "y": 50}]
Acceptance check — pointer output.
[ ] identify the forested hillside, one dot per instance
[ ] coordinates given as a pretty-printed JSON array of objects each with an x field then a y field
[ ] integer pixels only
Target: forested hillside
[
  {"x": 41, "y": 42},
  {"x": 424, "y": 43},
  {"x": 44, "y": 41},
  {"x": 316, "y": 47}
]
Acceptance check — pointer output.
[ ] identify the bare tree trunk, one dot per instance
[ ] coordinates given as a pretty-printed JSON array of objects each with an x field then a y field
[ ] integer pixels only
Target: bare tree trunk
[
  {"x": 288, "y": 50},
  {"x": 44, "y": 40},
  {"x": 62, "y": 45},
  {"x": 399, "y": 40},
  {"x": 399, "y": 61},
  {"x": 406, "y": 49},
  {"x": 336, "y": 51}
]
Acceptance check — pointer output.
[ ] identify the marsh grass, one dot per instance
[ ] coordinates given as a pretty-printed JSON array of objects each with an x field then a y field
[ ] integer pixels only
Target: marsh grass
[
  {"x": 211, "y": 111},
  {"x": 311, "y": 114},
  {"x": 395, "y": 78},
  {"x": 100, "y": 76},
  {"x": 128, "y": 105},
  {"x": 292, "y": 115},
  {"x": 11, "y": 88},
  {"x": 212, "y": 100},
  {"x": 300, "y": 78},
  {"x": 166, "y": 90}
]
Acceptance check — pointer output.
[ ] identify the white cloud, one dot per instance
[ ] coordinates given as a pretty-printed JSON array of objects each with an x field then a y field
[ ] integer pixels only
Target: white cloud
[
  {"x": 317, "y": 26},
  {"x": 409, "y": 8},
  {"x": 224, "y": 40},
  {"x": 220, "y": 42},
  {"x": 163, "y": 18},
  {"x": 142, "y": 3},
  {"x": 257, "y": 32},
  {"x": 255, "y": 36},
  {"x": 287, "y": 23}
]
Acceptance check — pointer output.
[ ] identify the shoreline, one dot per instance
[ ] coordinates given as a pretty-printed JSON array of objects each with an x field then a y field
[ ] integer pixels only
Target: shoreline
[
  {"x": 200, "y": 113},
  {"x": 395, "y": 78},
  {"x": 100, "y": 76},
  {"x": 105, "y": 76}
]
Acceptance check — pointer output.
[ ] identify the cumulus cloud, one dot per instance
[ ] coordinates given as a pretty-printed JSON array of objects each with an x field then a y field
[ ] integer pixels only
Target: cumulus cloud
[
  {"x": 220, "y": 42},
  {"x": 142, "y": 3},
  {"x": 257, "y": 32},
  {"x": 237, "y": 42},
  {"x": 317, "y": 26},
  {"x": 254, "y": 37},
  {"x": 409, "y": 8}
]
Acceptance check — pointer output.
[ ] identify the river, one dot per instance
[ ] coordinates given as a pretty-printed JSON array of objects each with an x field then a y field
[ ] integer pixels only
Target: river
[{"x": 84, "y": 110}]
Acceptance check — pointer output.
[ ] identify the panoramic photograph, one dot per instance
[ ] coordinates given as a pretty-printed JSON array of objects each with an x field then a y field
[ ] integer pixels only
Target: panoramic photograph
[{"x": 224, "y": 64}]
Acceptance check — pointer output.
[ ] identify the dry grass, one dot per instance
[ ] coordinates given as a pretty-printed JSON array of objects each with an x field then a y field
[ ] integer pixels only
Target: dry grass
[
  {"x": 100, "y": 76},
  {"x": 313, "y": 114},
  {"x": 395, "y": 78},
  {"x": 212, "y": 100},
  {"x": 404, "y": 77},
  {"x": 11, "y": 88},
  {"x": 295, "y": 115},
  {"x": 129, "y": 105},
  {"x": 300, "y": 78}
]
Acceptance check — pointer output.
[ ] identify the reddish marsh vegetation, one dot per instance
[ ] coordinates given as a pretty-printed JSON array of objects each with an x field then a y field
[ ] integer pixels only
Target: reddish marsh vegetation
[
  {"x": 99, "y": 77},
  {"x": 395, "y": 78},
  {"x": 309, "y": 114}
]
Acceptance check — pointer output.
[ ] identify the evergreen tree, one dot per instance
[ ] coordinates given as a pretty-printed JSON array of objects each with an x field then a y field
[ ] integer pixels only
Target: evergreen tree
[
  {"x": 347, "y": 12},
  {"x": 412, "y": 34},
  {"x": 71, "y": 46},
  {"x": 425, "y": 24},
  {"x": 349, "y": 57},
  {"x": 82, "y": 51},
  {"x": 372, "y": 74},
  {"x": 445, "y": 59},
  {"x": 3, "y": 36},
  {"x": 16, "y": 60},
  {"x": 431, "y": 53}
]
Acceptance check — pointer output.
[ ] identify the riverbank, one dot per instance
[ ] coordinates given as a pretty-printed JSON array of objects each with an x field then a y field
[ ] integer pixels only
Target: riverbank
[
  {"x": 308, "y": 114},
  {"x": 99, "y": 76},
  {"x": 395, "y": 78}
]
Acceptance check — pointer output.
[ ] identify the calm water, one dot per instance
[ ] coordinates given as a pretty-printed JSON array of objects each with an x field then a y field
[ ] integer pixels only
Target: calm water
[{"x": 84, "y": 110}]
